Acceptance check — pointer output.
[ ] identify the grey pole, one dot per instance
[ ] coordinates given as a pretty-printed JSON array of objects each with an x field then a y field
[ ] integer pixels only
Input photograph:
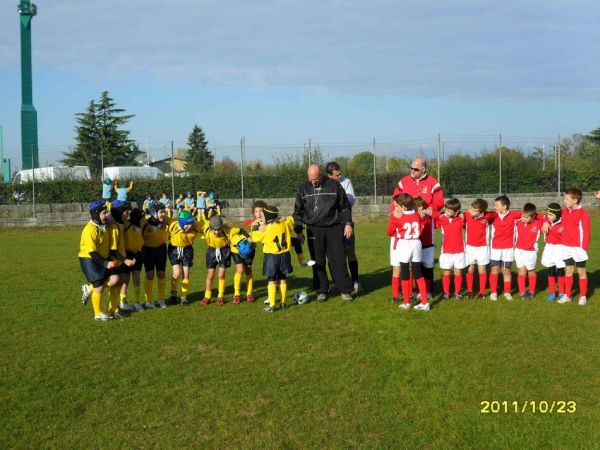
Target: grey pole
[
  {"x": 439, "y": 146},
  {"x": 172, "y": 176},
  {"x": 500, "y": 166},
  {"x": 242, "y": 145},
  {"x": 558, "y": 164},
  {"x": 33, "y": 183},
  {"x": 374, "y": 173}
]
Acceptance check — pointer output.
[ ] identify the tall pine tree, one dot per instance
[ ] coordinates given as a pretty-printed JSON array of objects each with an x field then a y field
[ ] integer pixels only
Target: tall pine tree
[
  {"x": 199, "y": 157},
  {"x": 100, "y": 137}
]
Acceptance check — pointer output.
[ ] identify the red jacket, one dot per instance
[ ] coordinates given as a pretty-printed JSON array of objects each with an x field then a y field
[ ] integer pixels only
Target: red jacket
[
  {"x": 427, "y": 233},
  {"x": 528, "y": 234},
  {"x": 555, "y": 232},
  {"x": 427, "y": 188},
  {"x": 477, "y": 228},
  {"x": 452, "y": 233},
  {"x": 578, "y": 229},
  {"x": 503, "y": 229}
]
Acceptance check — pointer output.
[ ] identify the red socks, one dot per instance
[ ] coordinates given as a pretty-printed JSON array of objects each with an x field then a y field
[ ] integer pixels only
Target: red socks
[
  {"x": 457, "y": 284},
  {"x": 521, "y": 283},
  {"x": 493, "y": 283},
  {"x": 583, "y": 284},
  {"x": 551, "y": 284},
  {"x": 395, "y": 287},
  {"x": 532, "y": 282},
  {"x": 569, "y": 286},
  {"x": 446, "y": 284},
  {"x": 406, "y": 290},
  {"x": 422, "y": 285},
  {"x": 561, "y": 285},
  {"x": 482, "y": 282},
  {"x": 470, "y": 279}
]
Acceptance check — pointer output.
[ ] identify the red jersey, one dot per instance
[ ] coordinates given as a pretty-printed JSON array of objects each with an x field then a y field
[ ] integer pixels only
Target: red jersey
[
  {"x": 555, "y": 232},
  {"x": 427, "y": 188},
  {"x": 503, "y": 229},
  {"x": 577, "y": 227},
  {"x": 407, "y": 226},
  {"x": 427, "y": 233},
  {"x": 452, "y": 233},
  {"x": 528, "y": 234},
  {"x": 478, "y": 229}
]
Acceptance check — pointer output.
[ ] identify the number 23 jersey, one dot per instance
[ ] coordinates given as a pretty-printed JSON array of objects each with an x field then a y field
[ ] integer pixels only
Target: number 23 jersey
[
  {"x": 276, "y": 237},
  {"x": 407, "y": 226}
]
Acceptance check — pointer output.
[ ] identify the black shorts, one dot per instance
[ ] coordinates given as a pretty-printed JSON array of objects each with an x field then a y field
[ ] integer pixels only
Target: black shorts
[
  {"x": 218, "y": 257},
  {"x": 155, "y": 258},
  {"x": 139, "y": 261},
  {"x": 237, "y": 259},
  {"x": 277, "y": 266},
  {"x": 181, "y": 255},
  {"x": 95, "y": 273}
]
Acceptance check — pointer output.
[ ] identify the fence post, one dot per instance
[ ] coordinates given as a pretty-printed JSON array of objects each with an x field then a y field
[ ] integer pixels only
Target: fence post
[
  {"x": 242, "y": 145},
  {"x": 374, "y": 173}
]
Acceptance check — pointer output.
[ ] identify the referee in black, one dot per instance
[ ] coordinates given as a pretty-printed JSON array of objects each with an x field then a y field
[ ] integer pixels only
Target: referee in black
[{"x": 322, "y": 205}]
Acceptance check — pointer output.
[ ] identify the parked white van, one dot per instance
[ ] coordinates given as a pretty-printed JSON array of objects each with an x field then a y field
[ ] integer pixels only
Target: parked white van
[
  {"x": 131, "y": 172},
  {"x": 52, "y": 173}
]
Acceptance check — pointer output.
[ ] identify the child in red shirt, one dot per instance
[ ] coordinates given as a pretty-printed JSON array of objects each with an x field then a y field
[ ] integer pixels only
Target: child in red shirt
[
  {"x": 453, "y": 246},
  {"x": 576, "y": 241},
  {"x": 528, "y": 231},
  {"x": 477, "y": 250},
  {"x": 427, "y": 244},
  {"x": 552, "y": 255}
]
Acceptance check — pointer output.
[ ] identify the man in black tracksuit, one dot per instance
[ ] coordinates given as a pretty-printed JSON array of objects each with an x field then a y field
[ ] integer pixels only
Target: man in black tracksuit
[{"x": 322, "y": 205}]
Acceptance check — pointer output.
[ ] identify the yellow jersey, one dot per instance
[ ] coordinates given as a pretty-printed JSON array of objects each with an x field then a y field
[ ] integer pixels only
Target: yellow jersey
[
  {"x": 155, "y": 235},
  {"x": 94, "y": 238},
  {"x": 235, "y": 236},
  {"x": 180, "y": 238},
  {"x": 277, "y": 236},
  {"x": 220, "y": 241},
  {"x": 133, "y": 238},
  {"x": 117, "y": 238}
]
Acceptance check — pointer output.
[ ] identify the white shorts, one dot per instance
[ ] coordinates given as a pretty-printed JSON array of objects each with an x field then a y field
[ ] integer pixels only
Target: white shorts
[
  {"x": 525, "y": 258},
  {"x": 577, "y": 253},
  {"x": 428, "y": 256},
  {"x": 502, "y": 254},
  {"x": 407, "y": 250},
  {"x": 552, "y": 256},
  {"x": 452, "y": 261},
  {"x": 477, "y": 255}
]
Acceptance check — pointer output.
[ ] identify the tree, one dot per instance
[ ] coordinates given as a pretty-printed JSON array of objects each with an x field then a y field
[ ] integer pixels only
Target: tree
[
  {"x": 101, "y": 140},
  {"x": 199, "y": 157},
  {"x": 363, "y": 162}
]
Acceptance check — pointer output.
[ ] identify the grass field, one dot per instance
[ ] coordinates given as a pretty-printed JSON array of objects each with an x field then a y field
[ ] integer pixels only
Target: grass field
[{"x": 331, "y": 375}]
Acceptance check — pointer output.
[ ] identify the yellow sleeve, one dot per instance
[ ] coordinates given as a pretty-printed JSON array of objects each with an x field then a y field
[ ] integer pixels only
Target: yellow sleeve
[{"x": 130, "y": 187}]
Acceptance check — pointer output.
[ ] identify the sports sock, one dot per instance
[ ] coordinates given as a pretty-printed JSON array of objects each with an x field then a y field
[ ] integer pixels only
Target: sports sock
[
  {"x": 113, "y": 298},
  {"x": 482, "y": 282},
  {"x": 406, "y": 290},
  {"x": 568, "y": 285},
  {"x": 561, "y": 285},
  {"x": 353, "y": 266},
  {"x": 411, "y": 284},
  {"x": 583, "y": 284},
  {"x": 422, "y": 285},
  {"x": 507, "y": 283},
  {"x": 493, "y": 283},
  {"x": 551, "y": 284},
  {"x": 97, "y": 302},
  {"x": 162, "y": 283},
  {"x": 470, "y": 279},
  {"x": 185, "y": 287},
  {"x": 446, "y": 284},
  {"x": 532, "y": 282},
  {"x": 208, "y": 294},
  {"x": 221, "y": 287},
  {"x": 521, "y": 283},
  {"x": 122, "y": 298},
  {"x": 283, "y": 292},
  {"x": 237, "y": 283},
  {"x": 272, "y": 292},
  {"x": 300, "y": 257},
  {"x": 395, "y": 287},
  {"x": 249, "y": 284},
  {"x": 174, "y": 284},
  {"x": 458, "y": 279},
  {"x": 148, "y": 289}
]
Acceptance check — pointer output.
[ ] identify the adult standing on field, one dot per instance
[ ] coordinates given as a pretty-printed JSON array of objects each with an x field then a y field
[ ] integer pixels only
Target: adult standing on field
[
  {"x": 420, "y": 184},
  {"x": 333, "y": 171},
  {"x": 322, "y": 205}
]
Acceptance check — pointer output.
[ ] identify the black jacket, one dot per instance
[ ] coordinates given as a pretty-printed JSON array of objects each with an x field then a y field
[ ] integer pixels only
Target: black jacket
[{"x": 323, "y": 206}]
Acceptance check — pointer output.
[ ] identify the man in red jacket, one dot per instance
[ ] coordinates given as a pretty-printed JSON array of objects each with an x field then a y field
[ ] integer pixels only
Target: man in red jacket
[{"x": 420, "y": 184}]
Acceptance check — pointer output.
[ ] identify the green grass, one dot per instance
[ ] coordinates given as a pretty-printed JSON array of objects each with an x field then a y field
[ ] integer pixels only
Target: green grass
[{"x": 332, "y": 375}]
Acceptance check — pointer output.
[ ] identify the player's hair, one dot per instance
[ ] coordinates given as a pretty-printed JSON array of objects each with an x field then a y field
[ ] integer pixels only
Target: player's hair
[
  {"x": 405, "y": 200},
  {"x": 453, "y": 204},
  {"x": 480, "y": 205},
  {"x": 258, "y": 204},
  {"x": 575, "y": 193},
  {"x": 330, "y": 167},
  {"x": 420, "y": 202},
  {"x": 503, "y": 200},
  {"x": 529, "y": 209}
]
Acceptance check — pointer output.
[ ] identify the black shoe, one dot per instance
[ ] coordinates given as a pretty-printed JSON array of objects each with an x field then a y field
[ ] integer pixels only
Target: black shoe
[
  {"x": 480, "y": 296},
  {"x": 470, "y": 295},
  {"x": 284, "y": 306},
  {"x": 396, "y": 300},
  {"x": 185, "y": 302}
]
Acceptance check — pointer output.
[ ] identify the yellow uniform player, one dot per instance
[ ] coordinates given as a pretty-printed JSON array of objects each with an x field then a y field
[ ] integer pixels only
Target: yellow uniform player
[
  {"x": 182, "y": 234},
  {"x": 154, "y": 250}
]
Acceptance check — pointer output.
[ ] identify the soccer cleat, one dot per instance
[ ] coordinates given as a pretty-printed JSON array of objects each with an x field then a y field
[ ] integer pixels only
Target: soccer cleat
[
  {"x": 149, "y": 305},
  {"x": 551, "y": 297},
  {"x": 423, "y": 307},
  {"x": 308, "y": 263},
  {"x": 173, "y": 297},
  {"x": 269, "y": 309},
  {"x": 126, "y": 307},
  {"x": 284, "y": 306},
  {"x": 162, "y": 304},
  {"x": 322, "y": 297},
  {"x": 85, "y": 294},
  {"x": 395, "y": 300},
  {"x": 446, "y": 297},
  {"x": 458, "y": 297},
  {"x": 357, "y": 288},
  {"x": 205, "y": 301},
  {"x": 564, "y": 299},
  {"x": 508, "y": 296},
  {"x": 220, "y": 301},
  {"x": 250, "y": 298},
  {"x": 102, "y": 317},
  {"x": 184, "y": 301},
  {"x": 138, "y": 307},
  {"x": 524, "y": 296},
  {"x": 470, "y": 295},
  {"x": 119, "y": 314},
  {"x": 493, "y": 296},
  {"x": 347, "y": 297},
  {"x": 266, "y": 302},
  {"x": 236, "y": 300},
  {"x": 480, "y": 296},
  {"x": 582, "y": 301},
  {"x": 404, "y": 306}
]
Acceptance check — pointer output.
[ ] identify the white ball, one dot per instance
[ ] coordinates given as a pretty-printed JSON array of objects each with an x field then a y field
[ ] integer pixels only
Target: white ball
[{"x": 301, "y": 297}]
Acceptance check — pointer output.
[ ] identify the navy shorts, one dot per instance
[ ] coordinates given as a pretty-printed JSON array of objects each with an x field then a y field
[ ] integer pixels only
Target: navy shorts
[
  {"x": 139, "y": 261},
  {"x": 237, "y": 259},
  {"x": 95, "y": 273},
  {"x": 155, "y": 258},
  {"x": 181, "y": 255},
  {"x": 277, "y": 266},
  {"x": 218, "y": 257}
]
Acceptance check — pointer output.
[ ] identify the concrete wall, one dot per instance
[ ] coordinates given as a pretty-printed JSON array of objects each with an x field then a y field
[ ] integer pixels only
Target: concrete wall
[{"x": 76, "y": 213}]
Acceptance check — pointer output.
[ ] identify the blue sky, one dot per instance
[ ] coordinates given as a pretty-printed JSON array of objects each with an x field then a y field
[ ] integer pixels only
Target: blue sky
[{"x": 338, "y": 72}]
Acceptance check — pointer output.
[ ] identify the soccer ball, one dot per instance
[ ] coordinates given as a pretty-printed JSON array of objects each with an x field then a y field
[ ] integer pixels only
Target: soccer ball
[{"x": 301, "y": 297}]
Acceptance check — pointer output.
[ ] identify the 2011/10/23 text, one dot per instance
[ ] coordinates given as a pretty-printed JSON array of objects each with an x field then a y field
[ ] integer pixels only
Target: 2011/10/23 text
[{"x": 530, "y": 406}]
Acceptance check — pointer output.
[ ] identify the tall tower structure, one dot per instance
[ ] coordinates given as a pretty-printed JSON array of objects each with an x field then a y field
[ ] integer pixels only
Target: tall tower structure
[{"x": 29, "y": 135}]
